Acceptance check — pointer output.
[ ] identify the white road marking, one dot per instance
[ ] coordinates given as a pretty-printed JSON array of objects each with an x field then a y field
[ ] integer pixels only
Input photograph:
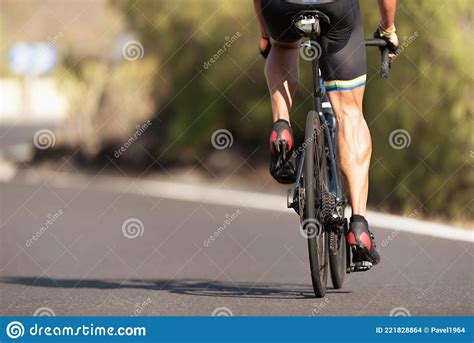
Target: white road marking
[
  {"x": 7, "y": 171},
  {"x": 210, "y": 194}
]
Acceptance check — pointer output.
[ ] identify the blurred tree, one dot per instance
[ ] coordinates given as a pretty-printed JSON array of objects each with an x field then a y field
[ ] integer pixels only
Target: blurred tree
[
  {"x": 214, "y": 84},
  {"x": 429, "y": 94}
]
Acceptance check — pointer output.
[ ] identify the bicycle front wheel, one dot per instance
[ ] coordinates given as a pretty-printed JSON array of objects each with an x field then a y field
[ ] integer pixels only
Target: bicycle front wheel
[{"x": 315, "y": 179}]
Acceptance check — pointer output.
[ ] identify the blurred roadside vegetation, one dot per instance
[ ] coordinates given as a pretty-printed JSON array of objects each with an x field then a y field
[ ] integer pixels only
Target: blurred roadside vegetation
[{"x": 429, "y": 94}]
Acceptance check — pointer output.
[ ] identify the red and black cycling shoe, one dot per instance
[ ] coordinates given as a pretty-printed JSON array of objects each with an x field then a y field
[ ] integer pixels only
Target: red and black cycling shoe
[
  {"x": 361, "y": 240},
  {"x": 282, "y": 165}
]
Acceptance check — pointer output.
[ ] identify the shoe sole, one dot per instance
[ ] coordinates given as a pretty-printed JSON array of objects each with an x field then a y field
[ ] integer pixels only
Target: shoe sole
[{"x": 360, "y": 253}]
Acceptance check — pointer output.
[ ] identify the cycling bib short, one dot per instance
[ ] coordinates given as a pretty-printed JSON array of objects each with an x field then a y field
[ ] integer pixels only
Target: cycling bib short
[{"x": 344, "y": 61}]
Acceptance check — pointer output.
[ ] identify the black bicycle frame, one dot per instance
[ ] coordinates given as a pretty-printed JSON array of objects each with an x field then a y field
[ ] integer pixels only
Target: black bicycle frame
[
  {"x": 319, "y": 96},
  {"x": 308, "y": 24}
]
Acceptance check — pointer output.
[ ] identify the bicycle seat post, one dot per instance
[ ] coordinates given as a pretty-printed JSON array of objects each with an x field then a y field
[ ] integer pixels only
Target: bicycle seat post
[{"x": 308, "y": 24}]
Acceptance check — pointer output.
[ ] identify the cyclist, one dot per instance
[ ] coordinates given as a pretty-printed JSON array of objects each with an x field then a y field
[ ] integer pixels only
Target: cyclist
[{"x": 343, "y": 68}]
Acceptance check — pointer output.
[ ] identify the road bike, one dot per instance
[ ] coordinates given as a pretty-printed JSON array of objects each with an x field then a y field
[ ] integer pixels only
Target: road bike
[{"x": 320, "y": 194}]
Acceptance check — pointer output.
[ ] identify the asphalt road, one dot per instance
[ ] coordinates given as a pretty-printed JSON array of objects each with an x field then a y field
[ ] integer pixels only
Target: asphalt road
[
  {"x": 82, "y": 263},
  {"x": 21, "y": 133}
]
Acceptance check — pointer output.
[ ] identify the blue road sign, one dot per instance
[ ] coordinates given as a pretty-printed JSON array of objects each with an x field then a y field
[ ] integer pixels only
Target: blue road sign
[{"x": 32, "y": 58}]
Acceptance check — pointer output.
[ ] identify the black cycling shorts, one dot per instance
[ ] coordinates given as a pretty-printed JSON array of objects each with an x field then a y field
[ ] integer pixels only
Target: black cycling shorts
[{"x": 344, "y": 61}]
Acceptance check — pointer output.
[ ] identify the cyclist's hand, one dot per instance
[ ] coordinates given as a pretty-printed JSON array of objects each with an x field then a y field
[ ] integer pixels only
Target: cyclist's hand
[
  {"x": 265, "y": 47},
  {"x": 390, "y": 36}
]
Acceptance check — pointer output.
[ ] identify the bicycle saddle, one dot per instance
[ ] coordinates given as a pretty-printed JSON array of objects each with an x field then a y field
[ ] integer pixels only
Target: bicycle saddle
[{"x": 308, "y": 23}]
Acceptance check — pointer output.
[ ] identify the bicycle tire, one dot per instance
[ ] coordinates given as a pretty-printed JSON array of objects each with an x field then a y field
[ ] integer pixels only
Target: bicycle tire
[
  {"x": 314, "y": 170},
  {"x": 338, "y": 259},
  {"x": 337, "y": 262}
]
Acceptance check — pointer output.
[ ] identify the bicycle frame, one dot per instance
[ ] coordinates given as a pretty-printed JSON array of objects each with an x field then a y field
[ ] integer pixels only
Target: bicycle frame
[
  {"x": 329, "y": 212},
  {"x": 308, "y": 25},
  {"x": 329, "y": 128}
]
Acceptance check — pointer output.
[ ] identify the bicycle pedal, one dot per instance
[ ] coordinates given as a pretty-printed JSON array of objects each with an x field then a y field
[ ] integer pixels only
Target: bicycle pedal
[{"x": 360, "y": 266}]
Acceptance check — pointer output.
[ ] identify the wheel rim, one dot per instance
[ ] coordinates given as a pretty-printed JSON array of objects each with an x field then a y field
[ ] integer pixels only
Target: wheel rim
[
  {"x": 322, "y": 256},
  {"x": 317, "y": 244},
  {"x": 322, "y": 239}
]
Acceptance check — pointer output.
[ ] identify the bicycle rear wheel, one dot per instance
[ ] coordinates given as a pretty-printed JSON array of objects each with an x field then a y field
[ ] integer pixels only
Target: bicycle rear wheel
[
  {"x": 337, "y": 238},
  {"x": 337, "y": 260},
  {"x": 315, "y": 178}
]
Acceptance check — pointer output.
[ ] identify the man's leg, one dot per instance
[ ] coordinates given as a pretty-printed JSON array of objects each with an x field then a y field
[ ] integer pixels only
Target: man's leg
[
  {"x": 355, "y": 150},
  {"x": 354, "y": 143},
  {"x": 281, "y": 72}
]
